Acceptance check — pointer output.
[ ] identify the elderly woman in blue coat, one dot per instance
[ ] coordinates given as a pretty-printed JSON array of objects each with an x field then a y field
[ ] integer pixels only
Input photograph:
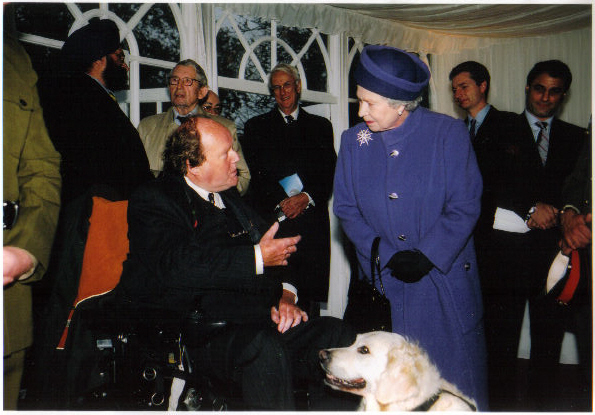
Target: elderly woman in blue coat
[{"x": 409, "y": 176}]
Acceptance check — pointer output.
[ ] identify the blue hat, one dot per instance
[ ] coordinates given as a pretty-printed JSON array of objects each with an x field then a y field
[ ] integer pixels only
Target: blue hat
[
  {"x": 392, "y": 73},
  {"x": 90, "y": 43}
]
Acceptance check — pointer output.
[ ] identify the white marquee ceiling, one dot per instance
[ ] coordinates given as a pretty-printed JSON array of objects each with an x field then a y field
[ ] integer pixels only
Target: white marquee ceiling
[{"x": 493, "y": 20}]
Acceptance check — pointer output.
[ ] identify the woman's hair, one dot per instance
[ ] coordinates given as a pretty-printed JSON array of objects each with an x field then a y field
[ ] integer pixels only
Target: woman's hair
[
  {"x": 183, "y": 145},
  {"x": 409, "y": 105}
]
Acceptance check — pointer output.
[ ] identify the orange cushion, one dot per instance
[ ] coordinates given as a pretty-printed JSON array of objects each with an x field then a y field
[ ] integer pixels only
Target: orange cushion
[{"x": 105, "y": 250}]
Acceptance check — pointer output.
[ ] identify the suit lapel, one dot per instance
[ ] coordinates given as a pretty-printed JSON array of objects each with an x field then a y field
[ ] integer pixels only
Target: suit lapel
[{"x": 235, "y": 206}]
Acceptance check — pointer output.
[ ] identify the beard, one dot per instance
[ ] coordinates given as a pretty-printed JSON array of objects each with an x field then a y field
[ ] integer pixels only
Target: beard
[{"x": 115, "y": 76}]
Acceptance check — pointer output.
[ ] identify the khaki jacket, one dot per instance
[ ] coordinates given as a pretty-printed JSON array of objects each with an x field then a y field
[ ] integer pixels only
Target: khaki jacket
[
  {"x": 155, "y": 130},
  {"x": 31, "y": 177}
]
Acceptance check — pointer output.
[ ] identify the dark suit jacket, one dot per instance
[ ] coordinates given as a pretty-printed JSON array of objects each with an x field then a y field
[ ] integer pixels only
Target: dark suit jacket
[
  {"x": 519, "y": 183},
  {"x": 186, "y": 253},
  {"x": 487, "y": 144},
  {"x": 526, "y": 180},
  {"x": 97, "y": 141},
  {"x": 275, "y": 150}
]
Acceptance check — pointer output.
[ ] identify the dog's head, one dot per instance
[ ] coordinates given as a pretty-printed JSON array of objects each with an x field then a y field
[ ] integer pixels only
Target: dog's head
[{"x": 384, "y": 367}]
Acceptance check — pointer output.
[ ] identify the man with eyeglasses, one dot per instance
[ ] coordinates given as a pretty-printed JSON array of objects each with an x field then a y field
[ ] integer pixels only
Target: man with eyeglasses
[
  {"x": 97, "y": 142},
  {"x": 212, "y": 105},
  {"x": 188, "y": 89},
  {"x": 292, "y": 159},
  {"x": 538, "y": 152}
]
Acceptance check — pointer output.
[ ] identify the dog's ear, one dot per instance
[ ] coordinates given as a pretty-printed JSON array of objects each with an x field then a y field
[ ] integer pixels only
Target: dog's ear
[{"x": 399, "y": 381}]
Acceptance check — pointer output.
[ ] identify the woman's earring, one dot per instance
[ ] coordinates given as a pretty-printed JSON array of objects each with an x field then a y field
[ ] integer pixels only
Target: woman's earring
[{"x": 401, "y": 109}]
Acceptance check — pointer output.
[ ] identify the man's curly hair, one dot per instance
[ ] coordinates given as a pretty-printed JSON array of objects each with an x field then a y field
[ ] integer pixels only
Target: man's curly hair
[{"x": 184, "y": 144}]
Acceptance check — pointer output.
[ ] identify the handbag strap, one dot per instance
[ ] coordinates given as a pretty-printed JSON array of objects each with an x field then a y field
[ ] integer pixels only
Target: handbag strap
[{"x": 375, "y": 264}]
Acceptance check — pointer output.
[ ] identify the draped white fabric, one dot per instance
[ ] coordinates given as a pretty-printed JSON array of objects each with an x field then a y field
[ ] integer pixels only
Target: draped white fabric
[{"x": 510, "y": 61}]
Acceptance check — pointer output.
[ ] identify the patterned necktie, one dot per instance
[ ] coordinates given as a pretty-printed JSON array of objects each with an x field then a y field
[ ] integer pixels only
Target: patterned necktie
[
  {"x": 472, "y": 129},
  {"x": 212, "y": 198},
  {"x": 289, "y": 119},
  {"x": 543, "y": 141}
]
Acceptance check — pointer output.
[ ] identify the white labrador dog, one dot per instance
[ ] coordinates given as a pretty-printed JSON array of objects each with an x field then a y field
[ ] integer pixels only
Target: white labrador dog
[{"x": 391, "y": 374}]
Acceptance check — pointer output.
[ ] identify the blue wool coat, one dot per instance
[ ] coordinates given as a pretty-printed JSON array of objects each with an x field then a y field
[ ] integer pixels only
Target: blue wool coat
[{"x": 418, "y": 187}]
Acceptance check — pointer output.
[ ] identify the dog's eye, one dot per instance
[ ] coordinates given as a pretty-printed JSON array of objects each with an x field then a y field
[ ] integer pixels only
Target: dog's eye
[{"x": 363, "y": 350}]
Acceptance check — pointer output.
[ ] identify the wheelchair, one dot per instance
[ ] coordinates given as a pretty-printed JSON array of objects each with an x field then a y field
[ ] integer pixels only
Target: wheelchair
[
  {"x": 96, "y": 353},
  {"x": 113, "y": 356}
]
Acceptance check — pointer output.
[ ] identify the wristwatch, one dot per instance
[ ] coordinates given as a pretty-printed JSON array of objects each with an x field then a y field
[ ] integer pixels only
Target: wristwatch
[{"x": 531, "y": 211}]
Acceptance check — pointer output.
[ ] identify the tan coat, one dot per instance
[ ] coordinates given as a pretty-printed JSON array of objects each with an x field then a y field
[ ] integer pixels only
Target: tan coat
[
  {"x": 155, "y": 130},
  {"x": 32, "y": 177}
]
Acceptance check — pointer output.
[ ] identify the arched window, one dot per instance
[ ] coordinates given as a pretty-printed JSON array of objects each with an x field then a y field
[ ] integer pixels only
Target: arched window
[
  {"x": 150, "y": 34},
  {"x": 248, "y": 48}
]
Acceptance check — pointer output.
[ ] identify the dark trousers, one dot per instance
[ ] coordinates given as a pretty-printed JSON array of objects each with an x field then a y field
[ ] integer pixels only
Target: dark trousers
[
  {"x": 549, "y": 322},
  {"x": 511, "y": 267},
  {"x": 267, "y": 365}
]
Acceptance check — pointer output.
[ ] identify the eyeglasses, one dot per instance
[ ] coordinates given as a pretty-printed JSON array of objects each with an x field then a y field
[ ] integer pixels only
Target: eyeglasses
[
  {"x": 212, "y": 109},
  {"x": 174, "y": 80},
  {"x": 287, "y": 86}
]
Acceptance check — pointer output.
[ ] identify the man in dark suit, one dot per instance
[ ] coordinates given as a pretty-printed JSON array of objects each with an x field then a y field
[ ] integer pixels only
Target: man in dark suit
[
  {"x": 97, "y": 141},
  {"x": 194, "y": 243},
  {"x": 289, "y": 143},
  {"x": 470, "y": 87},
  {"x": 470, "y": 82},
  {"x": 534, "y": 159}
]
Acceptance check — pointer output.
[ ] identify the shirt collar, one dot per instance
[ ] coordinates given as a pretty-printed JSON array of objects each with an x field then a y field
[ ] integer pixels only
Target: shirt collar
[
  {"x": 109, "y": 91},
  {"x": 532, "y": 119},
  {"x": 481, "y": 115},
  {"x": 205, "y": 193},
  {"x": 294, "y": 114},
  {"x": 177, "y": 114}
]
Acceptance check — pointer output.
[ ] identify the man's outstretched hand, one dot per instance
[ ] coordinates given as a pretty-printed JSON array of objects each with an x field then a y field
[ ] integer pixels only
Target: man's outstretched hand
[{"x": 277, "y": 251}]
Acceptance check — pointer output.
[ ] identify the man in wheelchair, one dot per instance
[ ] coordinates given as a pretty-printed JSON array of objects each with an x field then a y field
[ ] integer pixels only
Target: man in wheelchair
[{"x": 195, "y": 245}]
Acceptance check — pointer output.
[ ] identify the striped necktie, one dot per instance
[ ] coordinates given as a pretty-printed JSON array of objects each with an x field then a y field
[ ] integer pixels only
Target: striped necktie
[{"x": 543, "y": 141}]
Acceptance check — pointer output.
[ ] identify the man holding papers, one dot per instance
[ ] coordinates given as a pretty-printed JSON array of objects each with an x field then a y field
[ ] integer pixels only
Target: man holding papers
[{"x": 292, "y": 160}]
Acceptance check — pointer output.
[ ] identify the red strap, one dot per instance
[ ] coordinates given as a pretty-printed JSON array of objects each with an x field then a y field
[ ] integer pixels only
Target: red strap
[
  {"x": 62, "y": 342},
  {"x": 572, "y": 282}
]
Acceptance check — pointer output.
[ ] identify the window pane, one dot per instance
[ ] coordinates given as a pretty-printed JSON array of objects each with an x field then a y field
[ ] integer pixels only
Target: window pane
[
  {"x": 230, "y": 51},
  {"x": 33, "y": 18},
  {"x": 124, "y": 10},
  {"x": 85, "y": 7},
  {"x": 157, "y": 35},
  {"x": 312, "y": 60},
  {"x": 152, "y": 77},
  {"x": 240, "y": 106}
]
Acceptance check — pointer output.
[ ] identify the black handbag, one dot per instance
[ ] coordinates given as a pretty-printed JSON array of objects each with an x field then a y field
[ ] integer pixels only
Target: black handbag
[{"x": 367, "y": 308}]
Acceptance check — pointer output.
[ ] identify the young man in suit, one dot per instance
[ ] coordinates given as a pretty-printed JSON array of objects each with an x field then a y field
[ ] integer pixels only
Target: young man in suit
[
  {"x": 188, "y": 88},
  {"x": 534, "y": 159},
  {"x": 470, "y": 83},
  {"x": 470, "y": 86},
  {"x": 97, "y": 142},
  {"x": 289, "y": 143},
  {"x": 194, "y": 243}
]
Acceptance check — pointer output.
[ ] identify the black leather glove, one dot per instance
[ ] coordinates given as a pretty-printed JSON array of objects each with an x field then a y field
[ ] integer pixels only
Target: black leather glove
[{"x": 409, "y": 266}]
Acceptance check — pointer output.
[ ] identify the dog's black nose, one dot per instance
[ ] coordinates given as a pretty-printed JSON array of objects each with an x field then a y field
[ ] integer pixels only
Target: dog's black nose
[{"x": 324, "y": 355}]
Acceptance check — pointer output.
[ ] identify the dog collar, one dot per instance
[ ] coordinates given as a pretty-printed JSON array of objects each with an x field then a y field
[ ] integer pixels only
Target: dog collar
[{"x": 425, "y": 406}]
